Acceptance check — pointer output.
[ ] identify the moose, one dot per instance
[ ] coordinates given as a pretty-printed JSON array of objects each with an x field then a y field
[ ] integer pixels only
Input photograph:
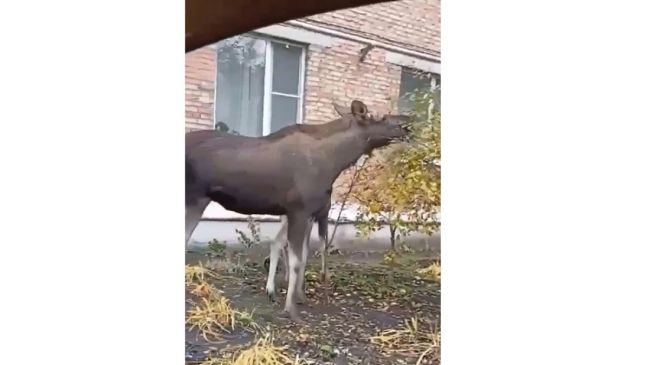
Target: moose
[{"x": 287, "y": 173}]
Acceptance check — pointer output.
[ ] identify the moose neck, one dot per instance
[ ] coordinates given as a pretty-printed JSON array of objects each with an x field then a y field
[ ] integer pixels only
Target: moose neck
[{"x": 341, "y": 150}]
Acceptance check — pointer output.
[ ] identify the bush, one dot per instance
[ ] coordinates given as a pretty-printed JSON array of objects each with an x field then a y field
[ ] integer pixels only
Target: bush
[{"x": 404, "y": 190}]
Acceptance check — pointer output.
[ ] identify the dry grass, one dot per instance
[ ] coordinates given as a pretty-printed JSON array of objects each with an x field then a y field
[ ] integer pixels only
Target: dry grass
[
  {"x": 432, "y": 271},
  {"x": 212, "y": 316},
  {"x": 412, "y": 339},
  {"x": 197, "y": 273},
  {"x": 263, "y": 352},
  {"x": 213, "y": 313},
  {"x": 203, "y": 289}
]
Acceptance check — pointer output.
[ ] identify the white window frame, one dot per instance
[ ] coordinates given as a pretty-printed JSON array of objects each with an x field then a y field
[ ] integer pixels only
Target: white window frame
[{"x": 268, "y": 81}]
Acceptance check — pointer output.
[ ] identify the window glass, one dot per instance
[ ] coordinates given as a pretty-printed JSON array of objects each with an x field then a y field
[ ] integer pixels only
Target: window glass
[
  {"x": 411, "y": 81},
  {"x": 284, "y": 111},
  {"x": 286, "y": 68},
  {"x": 240, "y": 84}
]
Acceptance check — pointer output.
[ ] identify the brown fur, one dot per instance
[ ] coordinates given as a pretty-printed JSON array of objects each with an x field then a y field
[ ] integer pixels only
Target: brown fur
[{"x": 289, "y": 172}]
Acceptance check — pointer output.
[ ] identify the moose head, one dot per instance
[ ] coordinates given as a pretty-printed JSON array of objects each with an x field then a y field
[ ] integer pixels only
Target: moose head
[{"x": 378, "y": 132}]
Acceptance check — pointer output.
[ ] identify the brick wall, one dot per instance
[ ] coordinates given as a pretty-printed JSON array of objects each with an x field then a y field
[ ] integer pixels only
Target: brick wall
[
  {"x": 335, "y": 74},
  {"x": 200, "y": 75},
  {"x": 413, "y": 23}
]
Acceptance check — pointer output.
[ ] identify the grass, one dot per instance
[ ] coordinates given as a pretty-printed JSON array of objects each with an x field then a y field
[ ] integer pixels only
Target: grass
[
  {"x": 217, "y": 248},
  {"x": 227, "y": 266},
  {"x": 390, "y": 258},
  {"x": 203, "y": 289},
  {"x": 194, "y": 273},
  {"x": 361, "y": 297},
  {"x": 432, "y": 271},
  {"x": 262, "y": 352},
  {"x": 411, "y": 339},
  {"x": 212, "y": 314}
]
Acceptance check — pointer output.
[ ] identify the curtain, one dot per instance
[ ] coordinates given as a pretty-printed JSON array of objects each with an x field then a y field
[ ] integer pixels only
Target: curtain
[{"x": 240, "y": 84}]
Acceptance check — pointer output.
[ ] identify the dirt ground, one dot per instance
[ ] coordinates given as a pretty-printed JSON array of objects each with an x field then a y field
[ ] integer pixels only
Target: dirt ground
[{"x": 364, "y": 296}]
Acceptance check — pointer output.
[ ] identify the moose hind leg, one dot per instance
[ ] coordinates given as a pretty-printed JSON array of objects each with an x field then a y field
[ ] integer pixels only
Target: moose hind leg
[
  {"x": 193, "y": 214},
  {"x": 322, "y": 236},
  {"x": 285, "y": 261},
  {"x": 300, "y": 281}
]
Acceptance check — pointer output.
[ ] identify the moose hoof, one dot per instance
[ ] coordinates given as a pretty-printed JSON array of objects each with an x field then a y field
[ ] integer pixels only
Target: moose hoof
[
  {"x": 271, "y": 295},
  {"x": 294, "y": 316}
]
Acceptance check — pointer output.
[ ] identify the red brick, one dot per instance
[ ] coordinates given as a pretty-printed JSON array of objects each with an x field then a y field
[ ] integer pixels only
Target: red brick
[{"x": 200, "y": 76}]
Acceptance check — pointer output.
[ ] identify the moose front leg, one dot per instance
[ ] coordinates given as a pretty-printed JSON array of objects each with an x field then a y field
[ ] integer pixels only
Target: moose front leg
[
  {"x": 277, "y": 247},
  {"x": 297, "y": 226}
]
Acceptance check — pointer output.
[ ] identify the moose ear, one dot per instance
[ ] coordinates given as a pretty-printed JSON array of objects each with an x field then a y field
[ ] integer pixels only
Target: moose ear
[
  {"x": 340, "y": 109},
  {"x": 358, "y": 108}
]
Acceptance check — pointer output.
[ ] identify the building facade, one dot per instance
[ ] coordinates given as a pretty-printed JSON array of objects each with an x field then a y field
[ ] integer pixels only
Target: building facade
[{"x": 292, "y": 72}]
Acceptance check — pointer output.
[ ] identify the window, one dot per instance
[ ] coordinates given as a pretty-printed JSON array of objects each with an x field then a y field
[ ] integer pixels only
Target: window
[
  {"x": 413, "y": 80},
  {"x": 259, "y": 84}
]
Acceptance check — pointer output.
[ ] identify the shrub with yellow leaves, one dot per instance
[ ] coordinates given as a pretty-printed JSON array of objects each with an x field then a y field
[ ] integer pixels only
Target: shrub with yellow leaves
[{"x": 403, "y": 191}]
